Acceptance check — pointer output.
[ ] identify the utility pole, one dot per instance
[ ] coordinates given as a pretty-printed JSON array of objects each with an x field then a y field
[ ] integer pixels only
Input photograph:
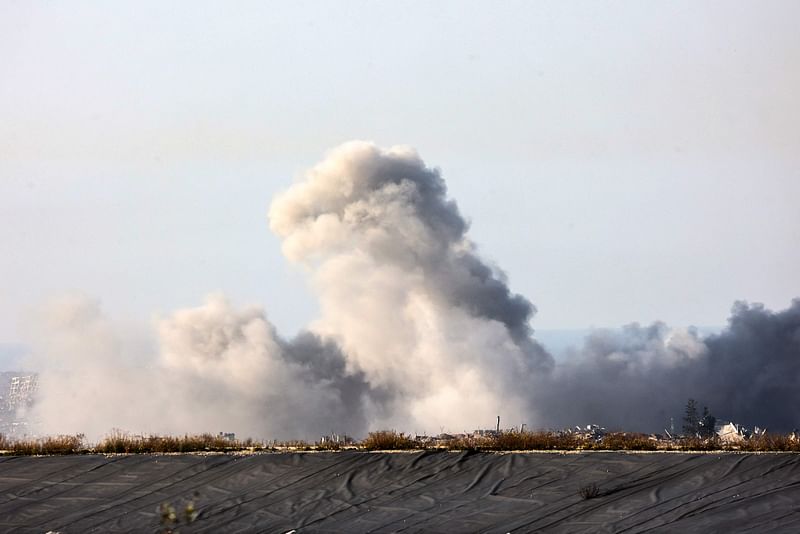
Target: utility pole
[{"x": 498, "y": 424}]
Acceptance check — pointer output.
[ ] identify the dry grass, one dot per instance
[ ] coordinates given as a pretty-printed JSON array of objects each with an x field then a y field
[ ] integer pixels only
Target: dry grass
[
  {"x": 120, "y": 442},
  {"x": 389, "y": 440},
  {"x": 531, "y": 441},
  {"x": 329, "y": 445},
  {"x": 625, "y": 441},
  {"x": 293, "y": 445},
  {"x": 769, "y": 443},
  {"x": 42, "y": 446},
  {"x": 565, "y": 441}
]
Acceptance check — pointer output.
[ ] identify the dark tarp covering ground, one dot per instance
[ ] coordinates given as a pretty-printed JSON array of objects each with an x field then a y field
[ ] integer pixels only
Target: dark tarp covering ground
[{"x": 405, "y": 492}]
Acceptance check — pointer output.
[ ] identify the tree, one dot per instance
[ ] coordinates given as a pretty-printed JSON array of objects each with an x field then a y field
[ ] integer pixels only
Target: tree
[
  {"x": 707, "y": 424},
  {"x": 691, "y": 421}
]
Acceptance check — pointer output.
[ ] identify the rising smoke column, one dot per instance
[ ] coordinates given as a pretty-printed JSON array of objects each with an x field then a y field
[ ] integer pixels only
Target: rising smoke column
[
  {"x": 404, "y": 293},
  {"x": 416, "y": 332},
  {"x": 440, "y": 336}
]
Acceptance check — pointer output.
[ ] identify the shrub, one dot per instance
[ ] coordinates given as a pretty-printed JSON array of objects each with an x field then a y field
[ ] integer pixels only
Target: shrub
[
  {"x": 589, "y": 491},
  {"x": 170, "y": 517}
]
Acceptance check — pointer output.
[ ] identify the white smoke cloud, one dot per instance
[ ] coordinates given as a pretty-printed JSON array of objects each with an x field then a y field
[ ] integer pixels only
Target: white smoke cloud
[
  {"x": 88, "y": 381},
  {"x": 217, "y": 369},
  {"x": 403, "y": 292},
  {"x": 416, "y": 332}
]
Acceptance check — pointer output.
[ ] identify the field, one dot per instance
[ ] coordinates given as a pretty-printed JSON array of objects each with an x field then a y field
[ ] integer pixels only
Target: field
[{"x": 420, "y": 491}]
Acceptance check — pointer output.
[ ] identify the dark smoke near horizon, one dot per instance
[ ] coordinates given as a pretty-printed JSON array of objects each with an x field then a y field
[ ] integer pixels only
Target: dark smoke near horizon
[
  {"x": 639, "y": 377},
  {"x": 416, "y": 332},
  {"x": 754, "y": 367}
]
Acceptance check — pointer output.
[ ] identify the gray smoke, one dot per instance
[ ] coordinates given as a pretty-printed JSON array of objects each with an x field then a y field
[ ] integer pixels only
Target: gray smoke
[
  {"x": 630, "y": 379},
  {"x": 638, "y": 378},
  {"x": 404, "y": 293},
  {"x": 416, "y": 332},
  {"x": 216, "y": 369},
  {"x": 752, "y": 370}
]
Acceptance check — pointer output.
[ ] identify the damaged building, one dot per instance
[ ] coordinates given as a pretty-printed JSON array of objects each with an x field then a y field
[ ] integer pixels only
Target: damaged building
[{"x": 17, "y": 392}]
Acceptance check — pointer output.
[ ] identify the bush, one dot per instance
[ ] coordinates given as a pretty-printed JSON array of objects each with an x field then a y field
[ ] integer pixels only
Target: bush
[
  {"x": 590, "y": 491},
  {"x": 171, "y": 517}
]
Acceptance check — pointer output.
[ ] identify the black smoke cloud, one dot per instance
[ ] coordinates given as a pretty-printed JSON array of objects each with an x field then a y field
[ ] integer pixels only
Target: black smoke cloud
[
  {"x": 752, "y": 369},
  {"x": 640, "y": 377},
  {"x": 323, "y": 362}
]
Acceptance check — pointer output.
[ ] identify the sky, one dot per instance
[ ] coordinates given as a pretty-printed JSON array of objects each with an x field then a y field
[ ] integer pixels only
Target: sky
[{"x": 619, "y": 161}]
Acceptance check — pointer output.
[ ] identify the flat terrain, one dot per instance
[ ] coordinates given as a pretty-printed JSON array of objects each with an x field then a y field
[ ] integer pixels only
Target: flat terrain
[{"x": 448, "y": 492}]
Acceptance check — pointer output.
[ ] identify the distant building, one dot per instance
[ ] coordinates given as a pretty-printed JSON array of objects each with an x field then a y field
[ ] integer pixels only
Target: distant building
[
  {"x": 339, "y": 439},
  {"x": 17, "y": 390},
  {"x": 21, "y": 390}
]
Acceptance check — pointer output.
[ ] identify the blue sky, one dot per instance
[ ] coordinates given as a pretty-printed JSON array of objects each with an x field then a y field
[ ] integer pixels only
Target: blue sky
[{"x": 619, "y": 161}]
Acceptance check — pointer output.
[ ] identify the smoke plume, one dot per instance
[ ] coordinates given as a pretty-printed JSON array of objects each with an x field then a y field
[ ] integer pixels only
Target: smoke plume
[
  {"x": 416, "y": 332},
  {"x": 217, "y": 368},
  {"x": 641, "y": 376},
  {"x": 404, "y": 293}
]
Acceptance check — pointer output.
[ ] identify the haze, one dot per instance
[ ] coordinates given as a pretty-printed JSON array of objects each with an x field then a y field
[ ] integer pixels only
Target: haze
[{"x": 621, "y": 162}]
